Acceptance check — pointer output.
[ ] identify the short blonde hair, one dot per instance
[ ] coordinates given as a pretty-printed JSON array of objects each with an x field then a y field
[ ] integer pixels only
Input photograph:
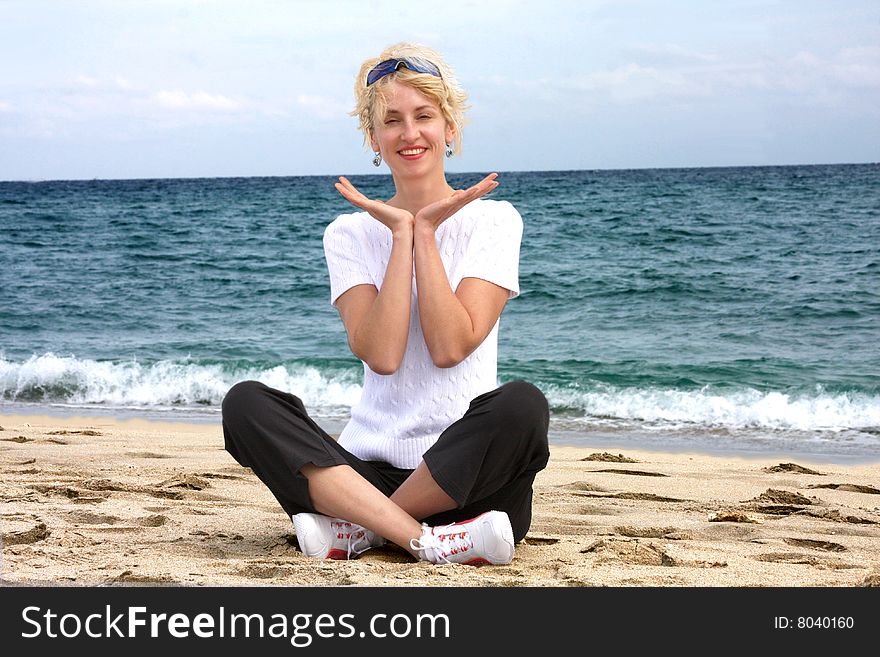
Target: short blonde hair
[{"x": 372, "y": 101}]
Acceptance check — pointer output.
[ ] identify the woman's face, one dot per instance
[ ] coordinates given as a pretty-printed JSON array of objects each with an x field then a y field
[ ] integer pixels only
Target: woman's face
[{"x": 413, "y": 134}]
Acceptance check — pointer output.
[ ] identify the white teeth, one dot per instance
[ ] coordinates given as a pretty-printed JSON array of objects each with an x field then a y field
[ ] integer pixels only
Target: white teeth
[{"x": 412, "y": 151}]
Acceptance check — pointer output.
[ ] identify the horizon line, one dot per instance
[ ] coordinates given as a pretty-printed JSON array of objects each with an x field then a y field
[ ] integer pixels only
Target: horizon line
[{"x": 457, "y": 173}]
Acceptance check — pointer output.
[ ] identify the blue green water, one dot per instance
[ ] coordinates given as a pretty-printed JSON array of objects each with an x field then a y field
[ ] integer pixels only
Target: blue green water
[{"x": 731, "y": 309}]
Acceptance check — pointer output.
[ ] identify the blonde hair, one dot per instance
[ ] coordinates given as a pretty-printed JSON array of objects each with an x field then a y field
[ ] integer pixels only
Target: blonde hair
[{"x": 372, "y": 101}]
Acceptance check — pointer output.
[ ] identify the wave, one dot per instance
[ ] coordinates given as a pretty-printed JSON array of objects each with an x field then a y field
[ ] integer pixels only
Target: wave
[
  {"x": 331, "y": 388},
  {"x": 740, "y": 408},
  {"x": 68, "y": 380}
]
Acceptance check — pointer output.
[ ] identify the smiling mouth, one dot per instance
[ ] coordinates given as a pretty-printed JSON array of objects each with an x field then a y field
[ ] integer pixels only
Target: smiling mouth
[{"x": 412, "y": 151}]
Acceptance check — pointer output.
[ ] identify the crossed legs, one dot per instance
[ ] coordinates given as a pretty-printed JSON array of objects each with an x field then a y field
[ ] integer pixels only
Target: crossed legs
[
  {"x": 307, "y": 471},
  {"x": 340, "y": 492}
]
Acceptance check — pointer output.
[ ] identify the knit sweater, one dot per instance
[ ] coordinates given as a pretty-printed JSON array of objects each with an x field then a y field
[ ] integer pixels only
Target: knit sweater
[{"x": 400, "y": 415}]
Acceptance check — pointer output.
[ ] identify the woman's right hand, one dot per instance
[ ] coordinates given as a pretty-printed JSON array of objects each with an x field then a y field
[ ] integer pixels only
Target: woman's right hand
[{"x": 396, "y": 219}]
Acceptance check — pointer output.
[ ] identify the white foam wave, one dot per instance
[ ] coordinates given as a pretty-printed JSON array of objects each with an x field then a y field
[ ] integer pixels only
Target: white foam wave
[
  {"x": 71, "y": 381},
  {"x": 740, "y": 409},
  {"x": 74, "y": 381}
]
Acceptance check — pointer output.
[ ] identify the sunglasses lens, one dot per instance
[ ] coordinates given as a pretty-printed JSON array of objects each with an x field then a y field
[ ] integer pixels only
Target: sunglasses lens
[
  {"x": 422, "y": 66},
  {"x": 390, "y": 65},
  {"x": 381, "y": 70}
]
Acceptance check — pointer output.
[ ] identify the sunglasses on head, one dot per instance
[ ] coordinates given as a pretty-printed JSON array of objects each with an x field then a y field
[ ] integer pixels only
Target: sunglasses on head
[{"x": 416, "y": 64}]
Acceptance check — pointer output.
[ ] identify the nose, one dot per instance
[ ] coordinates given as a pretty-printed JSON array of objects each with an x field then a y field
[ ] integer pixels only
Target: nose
[{"x": 410, "y": 130}]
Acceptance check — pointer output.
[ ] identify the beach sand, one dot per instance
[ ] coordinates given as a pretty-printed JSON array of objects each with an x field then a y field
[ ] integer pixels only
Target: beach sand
[{"x": 97, "y": 501}]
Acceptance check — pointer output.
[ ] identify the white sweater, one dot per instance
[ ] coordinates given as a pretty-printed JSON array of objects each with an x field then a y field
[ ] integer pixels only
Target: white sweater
[{"x": 399, "y": 416}]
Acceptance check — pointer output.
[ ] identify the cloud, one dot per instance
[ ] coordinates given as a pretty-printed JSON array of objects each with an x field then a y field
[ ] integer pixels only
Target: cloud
[
  {"x": 199, "y": 101},
  {"x": 322, "y": 107},
  {"x": 848, "y": 79},
  {"x": 858, "y": 66},
  {"x": 123, "y": 83},
  {"x": 633, "y": 82},
  {"x": 667, "y": 54},
  {"x": 808, "y": 73},
  {"x": 85, "y": 81},
  {"x": 118, "y": 107}
]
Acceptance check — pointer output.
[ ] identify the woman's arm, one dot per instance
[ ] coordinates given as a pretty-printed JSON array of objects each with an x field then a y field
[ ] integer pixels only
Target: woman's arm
[
  {"x": 454, "y": 323},
  {"x": 377, "y": 321}
]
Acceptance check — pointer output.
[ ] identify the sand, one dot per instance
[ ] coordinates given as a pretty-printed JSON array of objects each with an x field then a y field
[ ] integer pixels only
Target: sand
[{"x": 97, "y": 501}]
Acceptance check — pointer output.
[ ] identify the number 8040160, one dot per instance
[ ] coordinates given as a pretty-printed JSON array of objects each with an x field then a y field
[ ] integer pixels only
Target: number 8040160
[{"x": 814, "y": 622}]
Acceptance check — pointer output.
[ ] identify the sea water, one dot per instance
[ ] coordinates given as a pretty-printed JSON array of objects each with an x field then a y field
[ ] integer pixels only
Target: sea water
[{"x": 717, "y": 309}]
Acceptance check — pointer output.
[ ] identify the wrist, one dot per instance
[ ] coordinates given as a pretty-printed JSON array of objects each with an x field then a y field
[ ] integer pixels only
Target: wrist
[
  {"x": 424, "y": 231},
  {"x": 403, "y": 232}
]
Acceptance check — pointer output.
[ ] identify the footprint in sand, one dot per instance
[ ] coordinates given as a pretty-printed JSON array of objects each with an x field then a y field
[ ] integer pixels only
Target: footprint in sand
[
  {"x": 582, "y": 487},
  {"x": 791, "y": 467},
  {"x": 779, "y": 502},
  {"x": 826, "y": 546},
  {"x": 823, "y": 563},
  {"x": 156, "y": 520},
  {"x": 871, "y": 580},
  {"x": 80, "y": 518},
  {"x": 76, "y": 495},
  {"x": 115, "y": 486},
  {"x": 82, "y": 432},
  {"x": 774, "y": 496},
  {"x": 532, "y": 539},
  {"x": 589, "y": 510},
  {"x": 610, "y": 458},
  {"x": 667, "y": 533},
  {"x": 256, "y": 571},
  {"x": 566, "y": 525},
  {"x": 729, "y": 515},
  {"x": 22, "y": 529},
  {"x": 648, "y": 497},
  {"x": 836, "y": 516},
  {"x": 852, "y": 488},
  {"x": 129, "y": 577},
  {"x": 638, "y": 473},
  {"x": 92, "y": 518},
  {"x": 214, "y": 475},
  {"x": 638, "y": 553}
]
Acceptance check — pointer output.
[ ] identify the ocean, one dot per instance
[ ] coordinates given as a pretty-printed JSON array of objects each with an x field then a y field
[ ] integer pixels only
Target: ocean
[{"x": 729, "y": 310}]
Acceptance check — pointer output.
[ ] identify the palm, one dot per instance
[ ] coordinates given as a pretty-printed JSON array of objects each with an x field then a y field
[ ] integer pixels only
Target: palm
[
  {"x": 386, "y": 214},
  {"x": 437, "y": 212}
]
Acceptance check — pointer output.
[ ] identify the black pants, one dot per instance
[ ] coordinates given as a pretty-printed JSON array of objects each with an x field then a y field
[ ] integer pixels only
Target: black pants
[{"x": 485, "y": 461}]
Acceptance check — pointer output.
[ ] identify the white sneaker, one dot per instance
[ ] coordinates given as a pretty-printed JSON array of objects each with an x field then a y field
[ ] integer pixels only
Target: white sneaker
[
  {"x": 322, "y": 537},
  {"x": 486, "y": 539}
]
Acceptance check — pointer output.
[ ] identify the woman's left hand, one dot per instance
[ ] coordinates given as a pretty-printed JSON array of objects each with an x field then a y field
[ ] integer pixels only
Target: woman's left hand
[{"x": 431, "y": 216}]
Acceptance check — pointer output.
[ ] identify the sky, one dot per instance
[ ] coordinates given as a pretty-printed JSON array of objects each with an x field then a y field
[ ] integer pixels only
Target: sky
[{"x": 205, "y": 88}]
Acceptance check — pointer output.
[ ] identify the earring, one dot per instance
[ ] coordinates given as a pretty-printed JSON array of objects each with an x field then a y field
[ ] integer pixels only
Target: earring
[
  {"x": 377, "y": 160},
  {"x": 449, "y": 150}
]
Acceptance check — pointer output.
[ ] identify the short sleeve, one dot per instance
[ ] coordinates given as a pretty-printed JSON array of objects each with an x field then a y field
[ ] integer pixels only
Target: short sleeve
[
  {"x": 346, "y": 258},
  {"x": 493, "y": 251}
]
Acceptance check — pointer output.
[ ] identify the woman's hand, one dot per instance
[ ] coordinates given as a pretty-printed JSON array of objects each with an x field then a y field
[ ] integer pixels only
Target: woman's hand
[
  {"x": 396, "y": 219},
  {"x": 431, "y": 216}
]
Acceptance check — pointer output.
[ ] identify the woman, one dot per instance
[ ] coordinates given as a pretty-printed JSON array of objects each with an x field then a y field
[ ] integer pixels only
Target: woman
[{"x": 435, "y": 458}]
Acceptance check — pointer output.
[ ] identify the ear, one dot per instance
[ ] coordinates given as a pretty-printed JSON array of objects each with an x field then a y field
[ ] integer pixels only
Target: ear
[
  {"x": 450, "y": 133},
  {"x": 374, "y": 145}
]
